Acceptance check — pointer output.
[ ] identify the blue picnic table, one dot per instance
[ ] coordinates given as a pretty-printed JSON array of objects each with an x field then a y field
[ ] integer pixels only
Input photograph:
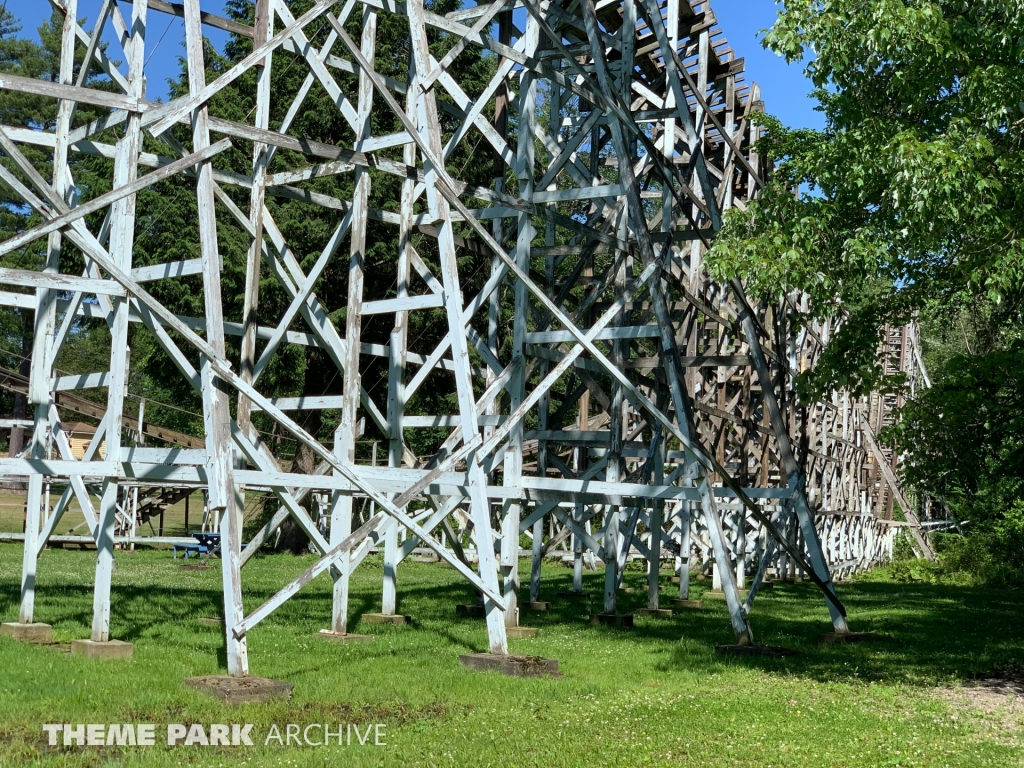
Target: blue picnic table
[{"x": 205, "y": 543}]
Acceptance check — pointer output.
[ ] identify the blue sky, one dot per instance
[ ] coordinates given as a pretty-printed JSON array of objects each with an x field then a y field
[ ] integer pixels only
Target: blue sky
[{"x": 784, "y": 88}]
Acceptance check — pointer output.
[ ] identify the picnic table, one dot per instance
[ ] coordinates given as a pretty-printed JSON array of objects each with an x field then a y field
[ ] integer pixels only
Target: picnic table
[
  {"x": 205, "y": 543},
  {"x": 208, "y": 542}
]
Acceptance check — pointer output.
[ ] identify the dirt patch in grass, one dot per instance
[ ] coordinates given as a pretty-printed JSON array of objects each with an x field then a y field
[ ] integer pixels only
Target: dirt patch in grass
[{"x": 998, "y": 697}]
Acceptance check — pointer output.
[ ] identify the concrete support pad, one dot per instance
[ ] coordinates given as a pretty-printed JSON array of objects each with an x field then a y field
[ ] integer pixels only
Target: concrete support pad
[
  {"x": 28, "y": 633},
  {"x": 470, "y": 610},
  {"x": 344, "y": 637},
  {"x": 838, "y": 638},
  {"x": 521, "y": 631},
  {"x": 624, "y": 620},
  {"x": 536, "y": 605},
  {"x": 241, "y": 690},
  {"x": 513, "y": 666},
  {"x": 111, "y": 649},
  {"x": 680, "y": 602},
  {"x": 385, "y": 618},
  {"x": 195, "y": 567},
  {"x": 661, "y": 613},
  {"x": 211, "y": 621},
  {"x": 769, "y": 651},
  {"x": 574, "y": 595}
]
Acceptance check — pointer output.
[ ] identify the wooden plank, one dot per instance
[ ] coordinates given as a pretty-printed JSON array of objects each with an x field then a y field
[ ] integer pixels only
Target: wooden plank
[
  {"x": 557, "y": 337},
  {"x": 405, "y": 304},
  {"x": 168, "y": 270},
  {"x": 58, "y": 282}
]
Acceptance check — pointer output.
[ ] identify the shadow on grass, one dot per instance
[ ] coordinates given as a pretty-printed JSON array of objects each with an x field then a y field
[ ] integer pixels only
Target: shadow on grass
[{"x": 929, "y": 633}]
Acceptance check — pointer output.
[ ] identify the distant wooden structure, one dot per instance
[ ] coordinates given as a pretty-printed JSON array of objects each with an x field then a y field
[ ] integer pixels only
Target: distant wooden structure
[{"x": 79, "y": 436}]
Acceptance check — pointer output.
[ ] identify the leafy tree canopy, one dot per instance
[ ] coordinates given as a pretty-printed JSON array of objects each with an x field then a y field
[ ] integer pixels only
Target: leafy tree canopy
[{"x": 910, "y": 195}]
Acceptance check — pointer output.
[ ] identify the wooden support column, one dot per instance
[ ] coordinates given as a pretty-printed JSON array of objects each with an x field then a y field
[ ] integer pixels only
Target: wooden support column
[
  {"x": 216, "y": 410},
  {"x": 122, "y": 237},
  {"x": 342, "y": 510},
  {"x": 657, "y": 460},
  {"x": 543, "y": 405},
  {"x": 430, "y": 133},
  {"x": 261, "y": 154},
  {"x": 43, "y": 352},
  {"x": 398, "y": 347},
  {"x": 513, "y": 463},
  {"x": 613, "y": 542}
]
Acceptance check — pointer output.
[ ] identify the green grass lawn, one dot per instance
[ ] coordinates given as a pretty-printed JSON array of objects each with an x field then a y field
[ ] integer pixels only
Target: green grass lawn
[{"x": 654, "y": 695}]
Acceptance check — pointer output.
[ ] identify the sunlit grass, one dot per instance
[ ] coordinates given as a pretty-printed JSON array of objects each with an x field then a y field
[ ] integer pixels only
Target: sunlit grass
[{"x": 655, "y": 695}]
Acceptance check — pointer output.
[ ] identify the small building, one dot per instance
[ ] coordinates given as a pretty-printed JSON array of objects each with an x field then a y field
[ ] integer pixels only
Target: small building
[{"x": 80, "y": 435}]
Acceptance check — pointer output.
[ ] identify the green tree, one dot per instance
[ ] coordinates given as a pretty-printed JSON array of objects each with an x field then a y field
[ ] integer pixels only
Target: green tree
[
  {"x": 908, "y": 204},
  {"x": 910, "y": 194}
]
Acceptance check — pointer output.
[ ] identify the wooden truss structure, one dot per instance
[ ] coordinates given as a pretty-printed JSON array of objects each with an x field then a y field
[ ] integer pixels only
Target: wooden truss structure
[{"x": 634, "y": 408}]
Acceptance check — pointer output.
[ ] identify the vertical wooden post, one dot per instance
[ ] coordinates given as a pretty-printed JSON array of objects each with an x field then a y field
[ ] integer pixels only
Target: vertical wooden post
[
  {"x": 525, "y": 232},
  {"x": 353, "y": 335},
  {"x": 121, "y": 241},
  {"x": 41, "y": 364},
  {"x": 398, "y": 344},
  {"x": 453, "y": 301},
  {"x": 262, "y": 29},
  {"x": 216, "y": 414}
]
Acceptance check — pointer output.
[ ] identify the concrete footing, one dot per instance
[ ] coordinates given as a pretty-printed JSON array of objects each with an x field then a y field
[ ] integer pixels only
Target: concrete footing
[
  {"x": 470, "y": 610},
  {"x": 28, "y": 633},
  {"x": 513, "y": 666},
  {"x": 769, "y": 651},
  {"x": 241, "y": 690},
  {"x": 838, "y": 638},
  {"x": 385, "y": 618},
  {"x": 624, "y": 620},
  {"x": 680, "y": 602},
  {"x": 522, "y": 631},
  {"x": 344, "y": 637},
  {"x": 536, "y": 605},
  {"x": 109, "y": 649},
  {"x": 211, "y": 621},
  {"x": 661, "y": 613}
]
